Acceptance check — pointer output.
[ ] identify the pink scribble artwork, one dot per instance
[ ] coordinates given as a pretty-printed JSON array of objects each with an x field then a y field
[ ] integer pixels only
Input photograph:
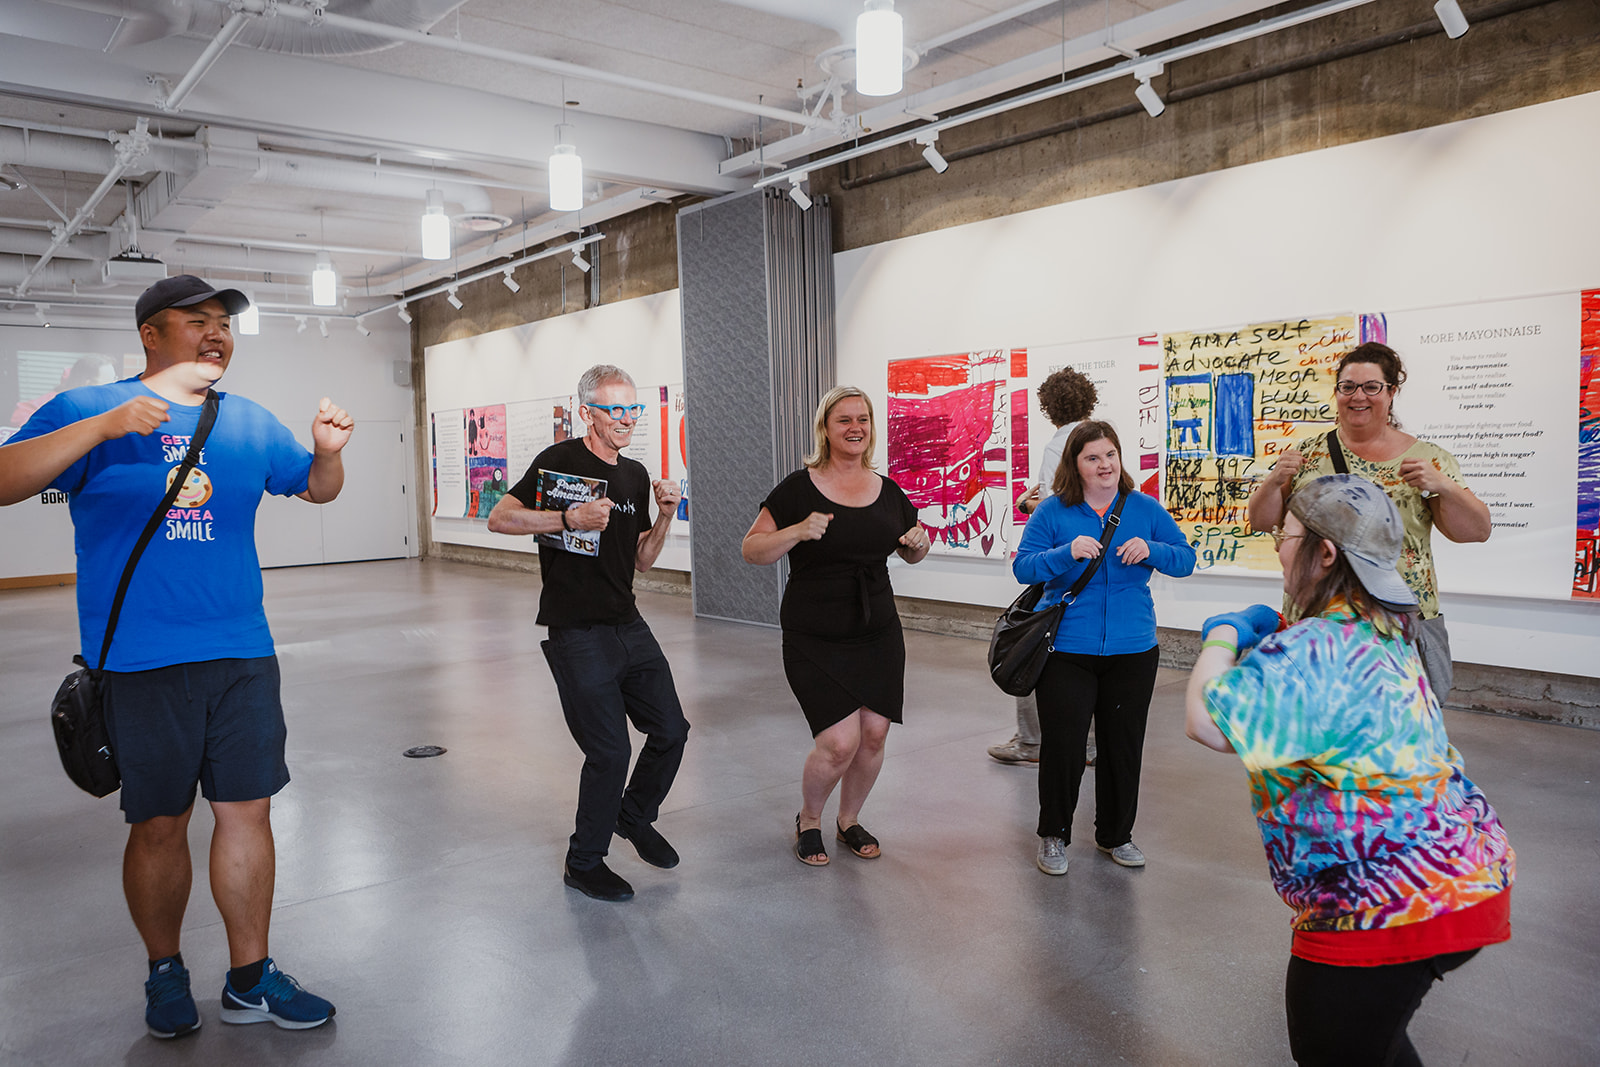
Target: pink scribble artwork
[{"x": 948, "y": 425}]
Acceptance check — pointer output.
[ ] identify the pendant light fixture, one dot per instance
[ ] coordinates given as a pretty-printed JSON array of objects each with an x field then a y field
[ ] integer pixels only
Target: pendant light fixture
[
  {"x": 880, "y": 49},
  {"x": 566, "y": 167},
  {"x": 324, "y": 282},
  {"x": 250, "y": 317},
  {"x": 435, "y": 227}
]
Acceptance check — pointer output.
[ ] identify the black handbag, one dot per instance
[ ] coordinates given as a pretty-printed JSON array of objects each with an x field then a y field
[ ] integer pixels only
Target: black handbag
[
  {"x": 1020, "y": 643},
  {"x": 77, "y": 714}
]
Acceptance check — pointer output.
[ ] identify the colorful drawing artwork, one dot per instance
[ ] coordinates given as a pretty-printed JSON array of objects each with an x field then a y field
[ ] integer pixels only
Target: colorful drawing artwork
[
  {"x": 485, "y": 431},
  {"x": 1586, "y": 566},
  {"x": 948, "y": 425},
  {"x": 1234, "y": 399}
]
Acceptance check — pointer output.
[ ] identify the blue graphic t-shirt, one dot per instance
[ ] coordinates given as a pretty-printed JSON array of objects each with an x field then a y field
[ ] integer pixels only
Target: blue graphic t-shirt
[{"x": 196, "y": 593}]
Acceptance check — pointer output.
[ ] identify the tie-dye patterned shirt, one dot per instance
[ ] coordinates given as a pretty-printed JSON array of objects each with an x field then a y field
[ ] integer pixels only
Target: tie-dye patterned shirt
[{"x": 1367, "y": 816}]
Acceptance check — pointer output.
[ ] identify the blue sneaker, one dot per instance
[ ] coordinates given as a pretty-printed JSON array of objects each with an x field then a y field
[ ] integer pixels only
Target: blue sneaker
[
  {"x": 277, "y": 999},
  {"x": 168, "y": 1006}
]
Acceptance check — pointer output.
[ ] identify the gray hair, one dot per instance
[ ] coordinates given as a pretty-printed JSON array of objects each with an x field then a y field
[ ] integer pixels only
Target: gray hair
[{"x": 598, "y": 375}]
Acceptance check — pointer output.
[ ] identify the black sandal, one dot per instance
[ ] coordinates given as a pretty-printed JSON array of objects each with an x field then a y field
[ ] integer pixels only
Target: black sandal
[
  {"x": 808, "y": 848},
  {"x": 857, "y": 839}
]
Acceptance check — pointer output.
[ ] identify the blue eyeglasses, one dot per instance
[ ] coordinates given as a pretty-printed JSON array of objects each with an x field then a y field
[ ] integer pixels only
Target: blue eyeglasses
[{"x": 617, "y": 411}]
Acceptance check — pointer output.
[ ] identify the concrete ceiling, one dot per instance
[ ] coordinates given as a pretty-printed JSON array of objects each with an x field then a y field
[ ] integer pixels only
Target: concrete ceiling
[{"x": 307, "y": 134}]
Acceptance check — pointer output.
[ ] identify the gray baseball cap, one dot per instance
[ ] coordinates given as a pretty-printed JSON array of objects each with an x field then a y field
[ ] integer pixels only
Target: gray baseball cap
[
  {"x": 1359, "y": 517},
  {"x": 182, "y": 291}
]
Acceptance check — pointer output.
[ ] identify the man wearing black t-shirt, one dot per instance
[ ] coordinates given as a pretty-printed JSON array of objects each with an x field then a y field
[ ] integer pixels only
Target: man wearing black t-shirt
[{"x": 607, "y": 666}]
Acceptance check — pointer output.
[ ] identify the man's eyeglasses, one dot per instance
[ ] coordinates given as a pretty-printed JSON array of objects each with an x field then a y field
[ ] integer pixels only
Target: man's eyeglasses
[
  {"x": 1370, "y": 388},
  {"x": 617, "y": 411}
]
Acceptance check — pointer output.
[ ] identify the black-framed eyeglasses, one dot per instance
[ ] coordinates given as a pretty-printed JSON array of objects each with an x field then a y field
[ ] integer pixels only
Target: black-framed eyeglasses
[
  {"x": 617, "y": 411},
  {"x": 1370, "y": 388}
]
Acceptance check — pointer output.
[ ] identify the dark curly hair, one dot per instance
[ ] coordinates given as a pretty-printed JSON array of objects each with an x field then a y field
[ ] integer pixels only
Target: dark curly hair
[
  {"x": 1381, "y": 356},
  {"x": 1067, "y": 396}
]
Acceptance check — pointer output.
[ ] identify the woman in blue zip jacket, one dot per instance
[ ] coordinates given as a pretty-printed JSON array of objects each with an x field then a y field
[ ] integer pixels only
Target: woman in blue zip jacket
[{"x": 1102, "y": 665}]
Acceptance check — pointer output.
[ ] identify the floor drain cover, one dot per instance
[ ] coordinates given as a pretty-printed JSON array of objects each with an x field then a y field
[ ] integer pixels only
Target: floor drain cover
[{"x": 424, "y": 751}]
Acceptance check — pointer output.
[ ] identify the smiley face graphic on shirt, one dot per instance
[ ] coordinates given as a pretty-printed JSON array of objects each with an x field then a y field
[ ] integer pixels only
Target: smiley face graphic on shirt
[{"x": 196, "y": 488}]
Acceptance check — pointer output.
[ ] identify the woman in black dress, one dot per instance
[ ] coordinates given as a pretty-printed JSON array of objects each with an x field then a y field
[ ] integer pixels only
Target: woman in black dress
[{"x": 843, "y": 653}]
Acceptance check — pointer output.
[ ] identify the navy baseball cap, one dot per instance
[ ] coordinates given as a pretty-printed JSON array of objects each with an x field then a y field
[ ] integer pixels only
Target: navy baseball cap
[{"x": 185, "y": 290}]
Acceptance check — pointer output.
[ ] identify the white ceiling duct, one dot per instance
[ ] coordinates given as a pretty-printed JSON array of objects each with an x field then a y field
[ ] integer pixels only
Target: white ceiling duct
[
  {"x": 35, "y": 243},
  {"x": 140, "y": 20},
  {"x": 81, "y": 155},
  {"x": 280, "y": 168},
  {"x": 300, "y": 39},
  {"x": 14, "y": 271},
  {"x": 194, "y": 257}
]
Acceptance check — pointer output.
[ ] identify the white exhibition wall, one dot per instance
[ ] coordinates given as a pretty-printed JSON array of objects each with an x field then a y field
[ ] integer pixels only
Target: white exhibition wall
[
  {"x": 544, "y": 359},
  {"x": 288, "y": 372},
  {"x": 1415, "y": 225}
]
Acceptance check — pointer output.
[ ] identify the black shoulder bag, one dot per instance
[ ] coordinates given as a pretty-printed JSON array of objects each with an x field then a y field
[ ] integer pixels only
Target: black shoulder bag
[
  {"x": 77, "y": 714},
  {"x": 1336, "y": 453},
  {"x": 1020, "y": 644}
]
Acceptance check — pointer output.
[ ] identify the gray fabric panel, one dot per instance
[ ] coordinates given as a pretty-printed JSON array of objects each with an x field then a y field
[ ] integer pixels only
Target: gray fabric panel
[{"x": 727, "y": 380}]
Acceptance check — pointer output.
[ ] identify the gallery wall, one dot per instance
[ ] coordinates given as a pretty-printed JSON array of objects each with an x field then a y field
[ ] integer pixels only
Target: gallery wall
[
  {"x": 529, "y": 371},
  {"x": 1470, "y": 223},
  {"x": 287, "y": 371}
]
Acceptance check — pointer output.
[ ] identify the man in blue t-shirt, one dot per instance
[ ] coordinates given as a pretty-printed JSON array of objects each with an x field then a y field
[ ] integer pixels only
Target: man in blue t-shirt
[{"x": 190, "y": 685}]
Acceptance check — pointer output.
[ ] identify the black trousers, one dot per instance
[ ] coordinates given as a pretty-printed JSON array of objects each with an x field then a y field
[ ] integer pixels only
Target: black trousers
[
  {"x": 1353, "y": 1016},
  {"x": 608, "y": 676},
  {"x": 1113, "y": 693}
]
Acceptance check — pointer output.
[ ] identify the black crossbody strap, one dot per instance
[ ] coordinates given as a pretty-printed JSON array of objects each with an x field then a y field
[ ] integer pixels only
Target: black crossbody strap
[
  {"x": 1336, "y": 453},
  {"x": 1107, "y": 532},
  {"x": 208, "y": 415}
]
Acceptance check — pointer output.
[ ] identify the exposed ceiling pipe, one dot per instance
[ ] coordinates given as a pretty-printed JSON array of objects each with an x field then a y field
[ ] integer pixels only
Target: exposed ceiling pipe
[
  {"x": 1112, "y": 73},
  {"x": 129, "y": 151},
  {"x": 80, "y": 155},
  {"x": 208, "y": 58},
  {"x": 317, "y": 15},
  {"x": 499, "y": 268},
  {"x": 249, "y": 259},
  {"x": 309, "y": 172},
  {"x": 133, "y": 147},
  {"x": 972, "y": 29}
]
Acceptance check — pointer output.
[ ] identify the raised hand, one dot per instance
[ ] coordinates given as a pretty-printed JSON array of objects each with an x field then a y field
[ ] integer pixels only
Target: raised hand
[
  {"x": 141, "y": 415},
  {"x": 1133, "y": 550},
  {"x": 1422, "y": 474},
  {"x": 1288, "y": 465},
  {"x": 916, "y": 539},
  {"x": 668, "y": 493},
  {"x": 331, "y": 429},
  {"x": 1085, "y": 547},
  {"x": 813, "y": 526}
]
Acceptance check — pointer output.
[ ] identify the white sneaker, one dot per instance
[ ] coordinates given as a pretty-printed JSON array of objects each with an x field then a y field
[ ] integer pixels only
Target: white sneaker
[
  {"x": 1052, "y": 858},
  {"x": 1015, "y": 751},
  {"x": 1124, "y": 855}
]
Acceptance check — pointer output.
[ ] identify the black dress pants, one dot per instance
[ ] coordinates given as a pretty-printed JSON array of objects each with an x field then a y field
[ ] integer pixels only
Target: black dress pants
[
  {"x": 1113, "y": 693},
  {"x": 608, "y": 676}
]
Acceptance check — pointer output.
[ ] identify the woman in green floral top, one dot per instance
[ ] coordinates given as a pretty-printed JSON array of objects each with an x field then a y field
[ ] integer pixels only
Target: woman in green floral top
[{"x": 1422, "y": 479}]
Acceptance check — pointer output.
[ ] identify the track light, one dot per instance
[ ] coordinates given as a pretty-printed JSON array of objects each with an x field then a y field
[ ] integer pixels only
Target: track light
[
  {"x": 301, "y": 321},
  {"x": 797, "y": 194},
  {"x": 509, "y": 282},
  {"x": 322, "y": 324},
  {"x": 1146, "y": 92},
  {"x": 566, "y": 176},
  {"x": 361, "y": 328},
  {"x": 578, "y": 260},
  {"x": 250, "y": 317},
  {"x": 405, "y": 316},
  {"x": 1451, "y": 18},
  {"x": 455, "y": 301},
  {"x": 880, "y": 49},
  {"x": 435, "y": 227},
  {"x": 324, "y": 282},
  {"x": 930, "y": 152}
]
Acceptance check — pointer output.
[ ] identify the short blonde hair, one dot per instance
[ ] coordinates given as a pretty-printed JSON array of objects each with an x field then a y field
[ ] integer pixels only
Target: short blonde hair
[{"x": 820, "y": 452}]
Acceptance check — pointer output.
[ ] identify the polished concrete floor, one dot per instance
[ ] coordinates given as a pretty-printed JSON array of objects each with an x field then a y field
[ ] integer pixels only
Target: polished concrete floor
[{"x": 424, "y": 897}]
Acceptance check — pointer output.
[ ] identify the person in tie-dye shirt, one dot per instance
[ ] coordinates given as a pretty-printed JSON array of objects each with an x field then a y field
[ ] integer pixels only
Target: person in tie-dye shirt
[{"x": 1397, "y": 868}]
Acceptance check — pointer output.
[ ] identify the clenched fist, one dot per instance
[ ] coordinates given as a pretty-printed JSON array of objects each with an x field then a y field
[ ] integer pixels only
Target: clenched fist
[
  {"x": 813, "y": 526},
  {"x": 141, "y": 415}
]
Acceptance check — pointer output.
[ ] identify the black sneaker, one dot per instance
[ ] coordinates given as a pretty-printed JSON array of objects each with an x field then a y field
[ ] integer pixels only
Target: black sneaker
[
  {"x": 168, "y": 1005},
  {"x": 599, "y": 882},
  {"x": 651, "y": 846}
]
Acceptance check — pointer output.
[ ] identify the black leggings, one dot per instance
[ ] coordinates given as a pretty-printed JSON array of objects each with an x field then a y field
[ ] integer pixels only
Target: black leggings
[{"x": 1353, "y": 1016}]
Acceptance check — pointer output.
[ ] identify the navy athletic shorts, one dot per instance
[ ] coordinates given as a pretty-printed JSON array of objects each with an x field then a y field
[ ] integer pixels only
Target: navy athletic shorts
[{"x": 217, "y": 724}]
